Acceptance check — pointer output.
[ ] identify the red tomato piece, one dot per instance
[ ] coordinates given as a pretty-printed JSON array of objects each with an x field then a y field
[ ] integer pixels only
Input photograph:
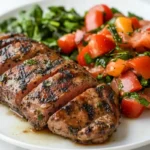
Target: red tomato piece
[
  {"x": 100, "y": 45},
  {"x": 141, "y": 65},
  {"x": 131, "y": 108},
  {"x": 107, "y": 13},
  {"x": 93, "y": 20},
  {"x": 67, "y": 43},
  {"x": 106, "y": 33},
  {"x": 135, "y": 23},
  {"x": 129, "y": 82},
  {"x": 81, "y": 57}
]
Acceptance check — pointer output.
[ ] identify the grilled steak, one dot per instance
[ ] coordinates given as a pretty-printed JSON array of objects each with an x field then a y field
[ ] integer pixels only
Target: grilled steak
[
  {"x": 48, "y": 90},
  {"x": 15, "y": 53},
  {"x": 20, "y": 80},
  {"x": 89, "y": 118},
  {"x": 54, "y": 93}
]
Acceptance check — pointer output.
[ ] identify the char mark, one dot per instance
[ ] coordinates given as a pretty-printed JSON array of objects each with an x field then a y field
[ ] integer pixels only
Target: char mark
[{"x": 5, "y": 42}]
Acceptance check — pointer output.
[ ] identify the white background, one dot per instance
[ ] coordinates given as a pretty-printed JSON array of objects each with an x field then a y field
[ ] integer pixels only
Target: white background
[{"x": 6, "y": 5}]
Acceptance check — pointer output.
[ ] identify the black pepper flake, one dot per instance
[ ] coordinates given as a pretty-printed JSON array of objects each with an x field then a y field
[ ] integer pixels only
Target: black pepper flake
[{"x": 68, "y": 109}]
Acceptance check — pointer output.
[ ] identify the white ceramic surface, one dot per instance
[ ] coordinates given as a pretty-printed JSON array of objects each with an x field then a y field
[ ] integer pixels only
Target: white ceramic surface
[{"x": 130, "y": 134}]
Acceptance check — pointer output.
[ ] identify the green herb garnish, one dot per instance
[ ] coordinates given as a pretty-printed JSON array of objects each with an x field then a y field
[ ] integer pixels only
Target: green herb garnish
[
  {"x": 31, "y": 62},
  {"x": 88, "y": 58},
  {"x": 47, "y": 83},
  {"x": 74, "y": 55},
  {"x": 114, "y": 33},
  {"x": 115, "y": 10},
  {"x": 104, "y": 79},
  {"x": 44, "y": 27},
  {"x": 102, "y": 61},
  {"x": 137, "y": 97},
  {"x": 144, "y": 82},
  {"x": 125, "y": 55},
  {"x": 3, "y": 78},
  {"x": 120, "y": 85},
  {"x": 147, "y": 53},
  {"x": 133, "y": 15}
]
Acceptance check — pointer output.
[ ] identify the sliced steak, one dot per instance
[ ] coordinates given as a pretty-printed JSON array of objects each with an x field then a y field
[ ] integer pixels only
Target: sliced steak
[
  {"x": 20, "y": 80},
  {"x": 10, "y": 35},
  {"x": 5, "y": 42},
  {"x": 54, "y": 93},
  {"x": 79, "y": 119},
  {"x": 15, "y": 53}
]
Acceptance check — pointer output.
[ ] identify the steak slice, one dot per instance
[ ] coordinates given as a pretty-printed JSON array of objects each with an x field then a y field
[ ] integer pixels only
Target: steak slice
[
  {"x": 10, "y": 35},
  {"x": 79, "y": 119},
  {"x": 54, "y": 93},
  {"x": 20, "y": 80},
  {"x": 5, "y": 42},
  {"x": 15, "y": 53}
]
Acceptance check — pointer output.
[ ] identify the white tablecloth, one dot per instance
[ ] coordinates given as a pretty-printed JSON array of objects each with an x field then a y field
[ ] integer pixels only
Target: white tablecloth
[{"x": 6, "y": 5}]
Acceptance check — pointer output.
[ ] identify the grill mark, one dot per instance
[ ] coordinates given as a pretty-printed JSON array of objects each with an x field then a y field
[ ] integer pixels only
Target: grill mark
[
  {"x": 5, "y": 42},
  {"x": 25, "y": 48},
  {"x": 89, "y": 109},
  {"x": 22, "y": 77},
  {"x": 6, "y": 54},
  {"x": 64, "y": 83}
]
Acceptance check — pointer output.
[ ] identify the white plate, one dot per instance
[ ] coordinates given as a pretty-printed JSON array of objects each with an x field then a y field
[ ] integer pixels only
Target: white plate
[{"x": 130, "y": 134}]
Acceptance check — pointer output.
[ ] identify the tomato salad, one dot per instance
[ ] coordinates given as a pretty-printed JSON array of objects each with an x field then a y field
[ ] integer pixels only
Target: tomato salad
[{"x": 114, "y": 48}]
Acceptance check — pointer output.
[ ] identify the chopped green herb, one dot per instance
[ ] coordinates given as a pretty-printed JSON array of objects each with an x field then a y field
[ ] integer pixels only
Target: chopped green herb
[
  {"x": 47, "y": 83},
  {"x": 88, "y": 58},
  {"x": 108, "y": 79},
  {"x": 133, "y": 15},
  {"x": 98, "y": 29},
  {"x": 3, "y": 78},
  {"x": 100, "y": 77},
  {"x": 39, "y": 115},
  {"x": 125, "y": 55},
  {"x": 74, "y": 55},
  {"x": 114, "y": 33},
  {"x": 65, "y": 57},
  {"x": 112, "y": 21},
  {"x": 31, "y": 62},
  {"x": 144, "y": 82},
  {"x": 120, "y": 85},
  {"x": 102, "y": 61},
  {"x": 147, "y": 53},
  {"x": 115, "y": 10},
  {"x": 104, "y": 79},
  {"x": 136, "y": 96}
]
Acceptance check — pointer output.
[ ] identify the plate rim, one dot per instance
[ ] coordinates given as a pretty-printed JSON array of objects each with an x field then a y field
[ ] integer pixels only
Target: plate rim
[{"x": 22, "y": 144}]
